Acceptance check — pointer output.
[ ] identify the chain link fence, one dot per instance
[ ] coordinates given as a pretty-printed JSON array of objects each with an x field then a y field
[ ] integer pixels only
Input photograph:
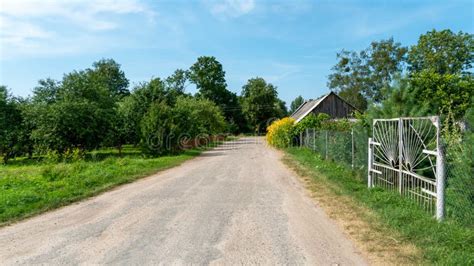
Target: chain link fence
[
  {"x": 460, "y": 182},
  {"x": 346, "y": 147},
  {"x": 350, "y": 148}
]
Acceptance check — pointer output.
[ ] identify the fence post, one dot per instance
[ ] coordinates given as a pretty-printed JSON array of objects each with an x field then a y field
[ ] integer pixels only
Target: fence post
[
  {"x": 400, "y": 154},
  {"x": 326, "y": 155},
  {"x": 314, "y": 139},
  {"x": 306, "y": 137},
  {"x": 440, "y": 175},
  {"x": 352, "y": 141},
  {"x": 301, "y": 139},
  {"x": 369, "y": 167}
]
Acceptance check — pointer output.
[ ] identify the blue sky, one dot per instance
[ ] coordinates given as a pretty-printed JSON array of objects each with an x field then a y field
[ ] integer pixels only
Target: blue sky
[{"x": 292, "y": 44}]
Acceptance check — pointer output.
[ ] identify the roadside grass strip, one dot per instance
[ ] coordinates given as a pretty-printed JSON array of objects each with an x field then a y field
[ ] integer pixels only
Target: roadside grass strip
[
  {"x": 28, "y": 188},
  {"x": 387, "y": 227}
]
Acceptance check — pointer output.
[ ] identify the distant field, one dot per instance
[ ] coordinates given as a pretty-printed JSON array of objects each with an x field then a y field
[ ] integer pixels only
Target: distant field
[{"x": 29, "y": 187}]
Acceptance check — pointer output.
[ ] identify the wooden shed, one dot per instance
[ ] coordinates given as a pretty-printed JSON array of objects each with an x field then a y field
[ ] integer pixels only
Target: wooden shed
[{"x": 331, "y": 104}]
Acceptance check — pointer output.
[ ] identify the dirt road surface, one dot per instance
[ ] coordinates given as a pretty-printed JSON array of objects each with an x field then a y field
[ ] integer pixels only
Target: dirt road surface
[{"x": 236, "y": 204}]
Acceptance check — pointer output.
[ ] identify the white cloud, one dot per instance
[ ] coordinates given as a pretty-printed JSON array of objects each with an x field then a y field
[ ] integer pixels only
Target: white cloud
[
  {"x": 40, "y": 26},
  {"x": 231, "y": 8}
]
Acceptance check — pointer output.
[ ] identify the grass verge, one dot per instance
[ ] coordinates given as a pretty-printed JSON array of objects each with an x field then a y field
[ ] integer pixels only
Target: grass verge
[
  {"x": 388, "y": 228},
  {"x": 28, "y": 188}
]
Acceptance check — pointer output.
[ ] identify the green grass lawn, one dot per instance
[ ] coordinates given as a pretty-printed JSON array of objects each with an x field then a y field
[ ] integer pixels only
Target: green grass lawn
[
  {"x": 29, "y": 187},
  {"x": 445, "y": 243}
]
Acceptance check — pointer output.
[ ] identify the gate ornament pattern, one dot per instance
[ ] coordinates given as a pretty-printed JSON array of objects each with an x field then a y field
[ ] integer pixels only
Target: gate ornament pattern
[{"x": 405, "y": 155}]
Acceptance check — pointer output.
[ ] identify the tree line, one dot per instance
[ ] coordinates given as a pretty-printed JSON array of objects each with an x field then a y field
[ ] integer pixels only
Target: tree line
[
  {"x": 95, "y": 107},
  {"x": 434, "y": 76}
]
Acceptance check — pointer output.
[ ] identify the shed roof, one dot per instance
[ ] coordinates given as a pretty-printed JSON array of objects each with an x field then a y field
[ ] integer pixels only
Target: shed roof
[{"x": 307, "y": 107}]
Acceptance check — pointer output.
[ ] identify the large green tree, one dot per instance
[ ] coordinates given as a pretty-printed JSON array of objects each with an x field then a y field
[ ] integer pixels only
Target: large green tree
[
  {"x": 385, "y": 60},
  {"x": 443, "y": 93},
  {"x": 209, "y": 77},
  {"x": 440, "y": 67},
  {"x": 135, "y": 106},
  {"x": 442, "y": 52},
  {"x": 108, "y": 73},
  {"x": 349, "y": 78},
  {"x": 365, "y": 76},
  {"x": 260, "y": 103},
  {"x": 79, "y": 111}
]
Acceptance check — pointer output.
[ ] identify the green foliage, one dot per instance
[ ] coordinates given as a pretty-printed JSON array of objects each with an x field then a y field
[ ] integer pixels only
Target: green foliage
[
  {"x": 11, "y": 125},
  {"x": 77, "y": 112},
  {"x": 442, "y": 52},
  {"x": 77, "y": 123},
  {"x": 340, "y": 125},
  {"x": 260, "y": 103},
  {"x": 359, "y": 77},
  {"x": 177, "y": 81},
  {"x": 176, "y": 85},
  {"x": 385, "y": 60},
  {"x": 156, "y": 128},
  {"x": 108, "y": 73},
  {"x": 296, "y": 103},
  {"x": 348, "y": 79},
  {"x": 134, "y": 107},
  {"x": 443, "y": 92},
  {"x": 353, "y": 96},
  {"x": 321, "y": 122},
  {"x": 195, "y": 116},
  {"x": 209, "y": 77},
  {"x": 47, "y": 91},
  {"x": 311, "y": 122},
  {"x": 121, "y": 130},
  {"x": 401, "y": 102}
]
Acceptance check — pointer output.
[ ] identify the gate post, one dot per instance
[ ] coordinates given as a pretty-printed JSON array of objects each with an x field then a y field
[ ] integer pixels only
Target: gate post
[
  {"x": 369, "y": 167},
  {"x": 440, "y": 175},
  {"x": 400, "y": 155}
]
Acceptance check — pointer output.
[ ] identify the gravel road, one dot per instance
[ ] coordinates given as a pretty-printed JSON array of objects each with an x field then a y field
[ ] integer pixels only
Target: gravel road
[{"x": 236, "y": 204}]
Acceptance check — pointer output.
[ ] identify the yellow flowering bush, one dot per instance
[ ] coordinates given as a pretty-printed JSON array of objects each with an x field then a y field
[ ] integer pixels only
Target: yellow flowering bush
[{"x": 280, "y": 132}]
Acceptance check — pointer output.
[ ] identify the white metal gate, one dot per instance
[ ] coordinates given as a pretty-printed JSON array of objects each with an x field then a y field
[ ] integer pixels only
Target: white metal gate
[{"x": 405, "y": 155}]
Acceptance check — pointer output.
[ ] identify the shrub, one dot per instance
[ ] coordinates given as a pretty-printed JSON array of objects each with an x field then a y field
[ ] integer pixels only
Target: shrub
[
  {"x": 197, "y": 116},
  {"x": 280, "y": 132},
  {"x": 156, "y": 129},
  {"x": 311, "y": 121}
]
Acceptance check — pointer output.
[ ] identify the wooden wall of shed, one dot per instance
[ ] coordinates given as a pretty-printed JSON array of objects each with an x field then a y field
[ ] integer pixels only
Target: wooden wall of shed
[{"x": 335, "y": 107}]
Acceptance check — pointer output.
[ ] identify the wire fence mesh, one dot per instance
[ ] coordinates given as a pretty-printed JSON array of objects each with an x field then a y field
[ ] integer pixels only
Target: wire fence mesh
[
  {"x": 460, "y": 182},
  {"x": 350, "y": 148},
  {"x": 346, "y": 147}
]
